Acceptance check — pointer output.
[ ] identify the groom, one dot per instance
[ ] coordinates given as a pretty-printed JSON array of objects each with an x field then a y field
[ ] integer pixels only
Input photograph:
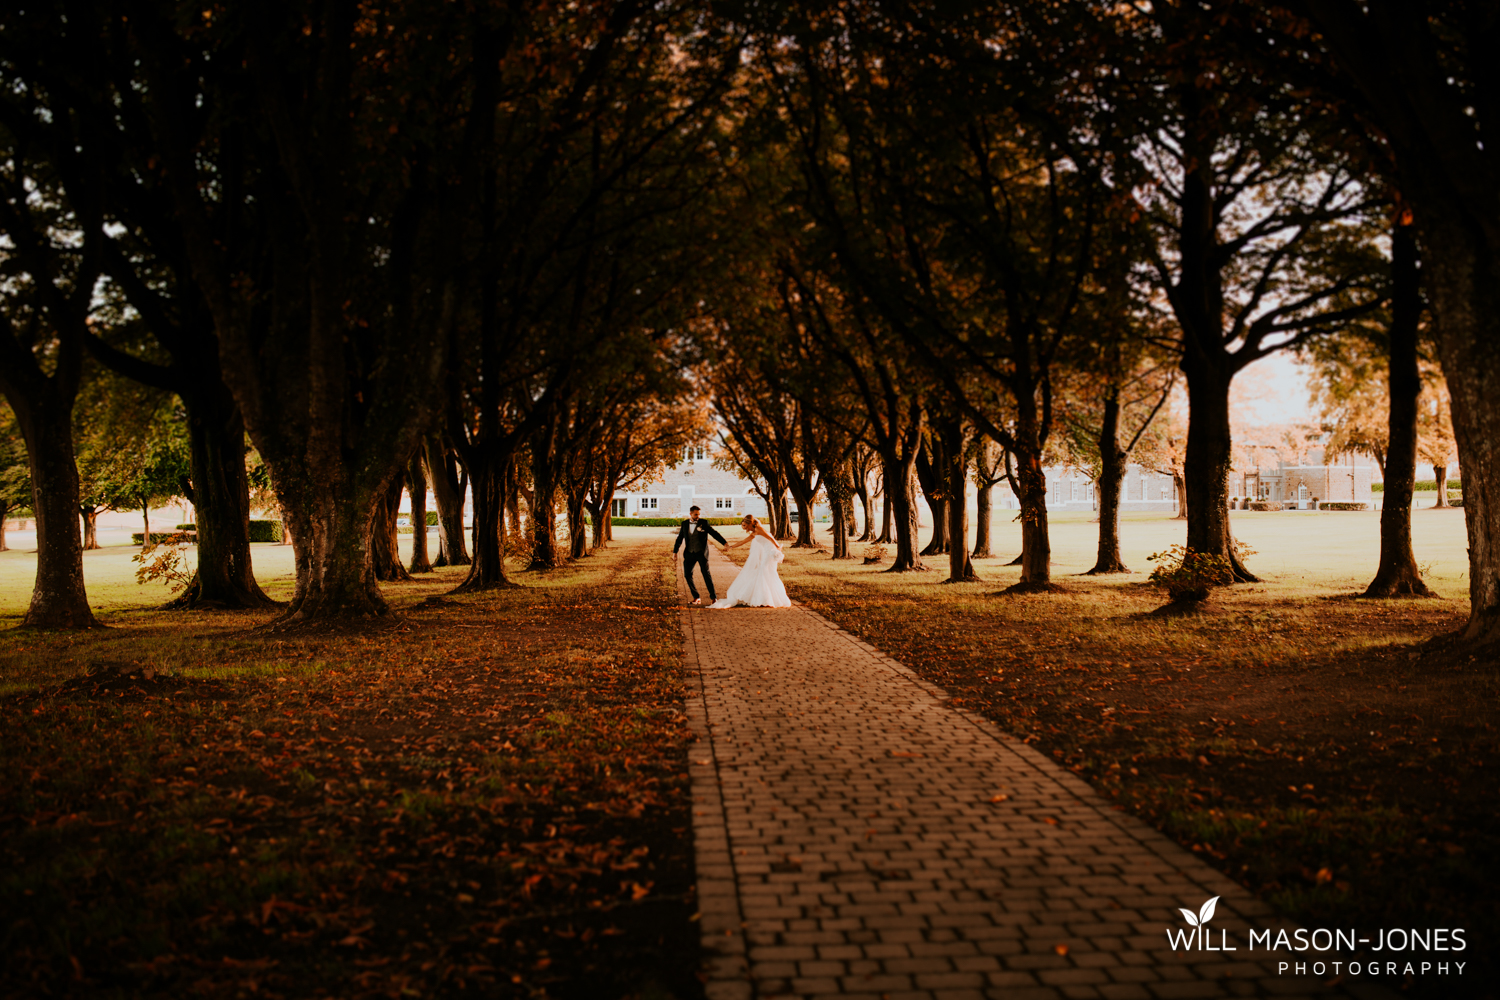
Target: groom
[{"x": 696, "y": 533}]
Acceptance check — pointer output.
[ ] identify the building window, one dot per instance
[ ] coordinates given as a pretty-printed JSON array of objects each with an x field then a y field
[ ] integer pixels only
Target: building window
[
  {"x": 648, "y": 503},
  {"x": 1164, "y": 494},
  {"x": 694, "y": 453},
  {"x": 617, "y": 508},
  {"x": 723, "y": 503}
]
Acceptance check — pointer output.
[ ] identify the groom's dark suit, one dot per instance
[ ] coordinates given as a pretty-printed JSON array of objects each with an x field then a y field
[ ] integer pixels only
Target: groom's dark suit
[{"x": 695, "y": 534}]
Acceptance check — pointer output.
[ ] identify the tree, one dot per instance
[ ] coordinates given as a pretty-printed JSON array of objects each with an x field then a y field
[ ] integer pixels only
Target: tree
[
  {"x": 989, "y": 469},
  {"x": 1246, "y": 186},
  {"x": 1398, "y": 574},
  {"x": 44, "y": 314},
  {"x": 1418, "y": 74},
  {"x": 131, "y": 450},
  {"x": 416, "y": 487},
  {"x": 1367, "y": 385},
  {"x": 286, "y": 160},
  {"x": 1435, "y": 433},
  {"x": 968, "y": 233},
  {"x": 655, "y": 423},
  {"x": 598, "y": 146},
  {"x": 15, "y": 474}
]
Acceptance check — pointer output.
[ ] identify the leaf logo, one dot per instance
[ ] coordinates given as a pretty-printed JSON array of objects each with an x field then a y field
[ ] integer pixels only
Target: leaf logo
[{"x": 1203, "y": 916}]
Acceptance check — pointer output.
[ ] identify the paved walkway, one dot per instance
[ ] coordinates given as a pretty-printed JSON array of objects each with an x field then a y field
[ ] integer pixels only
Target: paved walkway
[{"x": 856, "y": 836}]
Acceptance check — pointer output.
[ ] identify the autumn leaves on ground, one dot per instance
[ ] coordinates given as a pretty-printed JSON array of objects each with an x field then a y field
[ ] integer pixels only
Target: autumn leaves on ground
[{"x": 488, "y": 794}]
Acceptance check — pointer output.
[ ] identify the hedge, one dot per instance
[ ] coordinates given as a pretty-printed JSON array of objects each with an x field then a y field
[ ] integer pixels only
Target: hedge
[
  {"x": 1423, "y": 485},
  {"x": 260, "y": 531},
  {"x": 160, "y": 537},
  {"x": 666, "y": 522},
  {"x": 1267, "y": 505},
  {"x": 1336, "y": 505}
]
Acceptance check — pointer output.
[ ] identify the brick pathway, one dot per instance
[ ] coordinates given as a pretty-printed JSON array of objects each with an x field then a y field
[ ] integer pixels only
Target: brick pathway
[{"x": 856, "y": 836}]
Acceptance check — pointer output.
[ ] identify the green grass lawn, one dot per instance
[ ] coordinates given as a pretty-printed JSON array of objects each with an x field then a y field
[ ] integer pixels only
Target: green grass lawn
[{"x": 1332, "y": 550}]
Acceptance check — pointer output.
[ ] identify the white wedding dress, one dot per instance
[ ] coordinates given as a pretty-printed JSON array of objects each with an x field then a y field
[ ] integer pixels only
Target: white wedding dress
[{"x": 758, "y": 585}]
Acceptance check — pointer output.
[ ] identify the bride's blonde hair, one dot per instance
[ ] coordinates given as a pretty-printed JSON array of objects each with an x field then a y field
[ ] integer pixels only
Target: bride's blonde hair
[{"x": 749, "y": 520}]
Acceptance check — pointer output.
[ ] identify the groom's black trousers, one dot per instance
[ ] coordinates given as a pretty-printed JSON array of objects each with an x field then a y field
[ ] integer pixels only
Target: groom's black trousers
[{"x": 700, "y": 559}]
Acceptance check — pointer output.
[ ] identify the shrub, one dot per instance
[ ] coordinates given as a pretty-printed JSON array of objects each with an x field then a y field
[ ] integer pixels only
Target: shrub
[
  {"x": 432, "y": 519},
  {"x": 165, "y": 559},
  {"x": 162, "y": 538},
  {"x": 1267, "y": 505},
  {"x": 265, "y": 531},
  {"x": 187, "y": 527},
  {"x": 1189, "y": 575},
  {"x": 1343, "y": 505}
]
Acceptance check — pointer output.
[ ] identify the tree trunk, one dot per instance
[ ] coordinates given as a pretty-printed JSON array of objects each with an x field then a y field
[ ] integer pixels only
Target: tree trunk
[
  {"x": 4, "y": 513},
  {"x": 332, "y": 523},
  {"x": 145, "y": 525},
  {"x": 599, "y": 524},
  {"x": 58, "y": 598},
  {"x": 448, "y": 496},
  {"x": 1036, "y": 541},
  {"x": 862, "y": 490},
  {"x": 781, "y": 517},
  {"x": 984, "y": 504},
  {"x": 578, "y": 533},
  {"x": 220, "y": 495},
  {"x": 960, "y": 569},
  {"x": 1179, "y": 491},
  {"x": 1207, "y": 465},
  {"x": 490, "y": 476},
  {"x": 385, "y": 537},
  {"x": 805, "y": 539},
  {"x": 1464, "y": 284},
  {"x": 1439, "y": 475},
  {"x": 839, "y": 528},
  {"x": 885, "y": 516},
  {"x": 1111, "y": 477},
  {"x": 929, "y": 467},
  {"x": 901, "y": 501},
  {"x": 544, "y": 554},
  {"x": 1398, "y": 575},
  {"x": 90, "y": 527},
  {"x": 416, "y": 479}
]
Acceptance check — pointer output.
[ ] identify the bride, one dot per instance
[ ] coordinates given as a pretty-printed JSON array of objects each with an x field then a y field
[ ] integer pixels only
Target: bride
[{"x": 758, "y": 584}]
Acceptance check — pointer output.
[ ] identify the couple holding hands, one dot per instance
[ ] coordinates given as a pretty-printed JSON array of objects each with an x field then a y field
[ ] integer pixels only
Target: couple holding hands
[{"x": 758, "y": 585}]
